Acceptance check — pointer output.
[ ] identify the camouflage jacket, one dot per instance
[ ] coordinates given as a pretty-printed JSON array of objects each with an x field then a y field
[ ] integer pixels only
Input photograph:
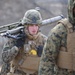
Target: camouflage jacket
[
  {"x": 57, "y": 38},
  {"x": 10, "y": 51}
]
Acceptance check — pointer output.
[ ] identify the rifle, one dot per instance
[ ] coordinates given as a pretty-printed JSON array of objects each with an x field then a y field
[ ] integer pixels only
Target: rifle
[{"x": 12, "y": 30}]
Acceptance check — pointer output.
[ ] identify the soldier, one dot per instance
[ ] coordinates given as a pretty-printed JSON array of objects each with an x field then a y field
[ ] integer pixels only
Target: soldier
[
  {"x": 15, "y": 53},
  {"x": 58, "y": 57}
]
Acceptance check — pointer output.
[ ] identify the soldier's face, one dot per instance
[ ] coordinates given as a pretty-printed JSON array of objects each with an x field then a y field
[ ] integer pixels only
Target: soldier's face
[{"x": 33, "y": 29}]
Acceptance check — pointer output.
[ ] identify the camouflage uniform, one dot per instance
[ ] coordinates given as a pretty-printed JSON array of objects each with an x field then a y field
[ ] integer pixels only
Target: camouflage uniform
[
  {"x": 12, "y": 52},
  {"x": 57, "y": 38}
]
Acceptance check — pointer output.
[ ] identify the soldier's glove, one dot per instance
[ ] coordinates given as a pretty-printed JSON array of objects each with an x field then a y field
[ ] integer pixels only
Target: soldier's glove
[
  {"x": 39, "y": 50},
  {"x": 20, "y": 40}
]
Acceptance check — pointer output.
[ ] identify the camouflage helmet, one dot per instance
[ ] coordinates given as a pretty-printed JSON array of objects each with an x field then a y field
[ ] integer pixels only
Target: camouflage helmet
[
  {"x": 71, "y": 14},
  {"x": 32, "y": 17}
]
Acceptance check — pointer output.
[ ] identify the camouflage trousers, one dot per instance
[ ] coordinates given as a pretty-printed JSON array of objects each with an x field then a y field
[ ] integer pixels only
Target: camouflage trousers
[
  {"x": 65, "y": 72},
  {"x": 18, "y": 72}
]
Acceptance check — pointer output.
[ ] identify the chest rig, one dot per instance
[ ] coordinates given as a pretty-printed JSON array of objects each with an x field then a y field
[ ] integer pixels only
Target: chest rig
[
  {"x": 25, "y": 62},
  {"x": 66, "y": 57}
]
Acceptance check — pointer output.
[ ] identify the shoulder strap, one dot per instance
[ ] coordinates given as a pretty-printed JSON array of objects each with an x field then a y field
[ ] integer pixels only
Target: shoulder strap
[{"x": 66, "y": 24}]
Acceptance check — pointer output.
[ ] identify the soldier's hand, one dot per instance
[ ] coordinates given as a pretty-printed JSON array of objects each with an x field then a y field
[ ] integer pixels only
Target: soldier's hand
[
  {"x": 39, "y": 50},
  {"x": 20, "y": 40},
  {"x": 19, "y": 43}
]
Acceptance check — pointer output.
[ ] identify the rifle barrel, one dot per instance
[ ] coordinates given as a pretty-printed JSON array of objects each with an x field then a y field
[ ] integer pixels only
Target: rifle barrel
[{"x": 52, "y": 20}]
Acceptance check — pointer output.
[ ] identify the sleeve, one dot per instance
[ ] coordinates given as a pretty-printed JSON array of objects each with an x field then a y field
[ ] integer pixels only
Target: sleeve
[
  {"x": 9, "y": 51},
  {"x": 5, "y": 68},
  {"x": 44, "y": 38},
  {"x": 51, "y": 49}
]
